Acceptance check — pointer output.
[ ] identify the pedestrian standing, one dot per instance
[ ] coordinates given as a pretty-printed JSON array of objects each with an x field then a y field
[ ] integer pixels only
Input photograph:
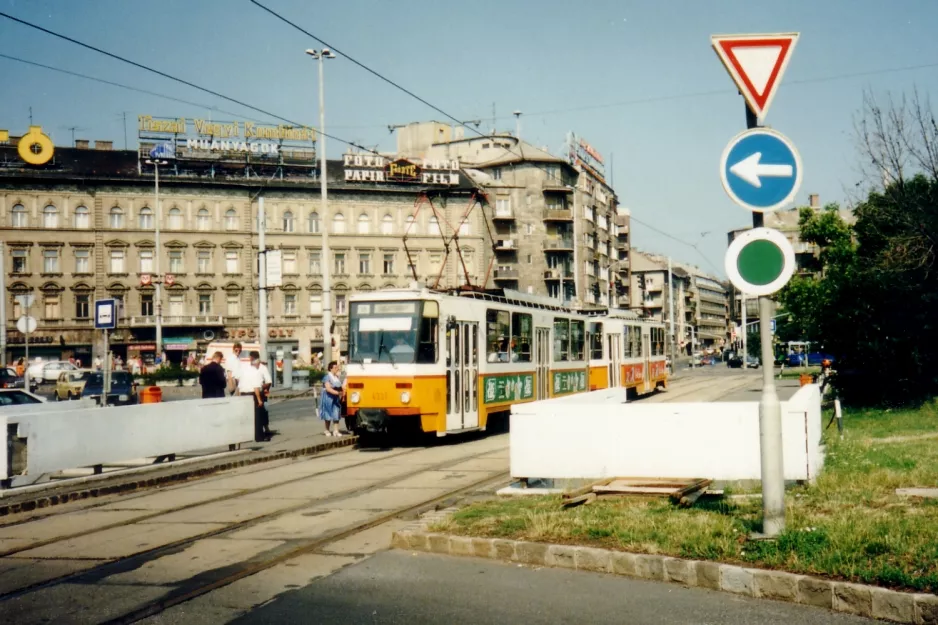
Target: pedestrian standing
[
  {"x": 213, "y": 378},
  {"x": 330, "y": 400},
  {"x": 251, "y": 382},
  {"x": 265, "y": 396},
  {"x": 233, "y": 368}
]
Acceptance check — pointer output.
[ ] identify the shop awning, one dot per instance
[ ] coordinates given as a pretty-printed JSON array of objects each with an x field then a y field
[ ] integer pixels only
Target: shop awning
[{"x": 179, "y": 343}]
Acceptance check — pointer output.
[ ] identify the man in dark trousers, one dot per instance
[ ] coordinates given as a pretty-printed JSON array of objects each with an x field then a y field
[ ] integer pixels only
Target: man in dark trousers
[{"x": 213, "y": 378}]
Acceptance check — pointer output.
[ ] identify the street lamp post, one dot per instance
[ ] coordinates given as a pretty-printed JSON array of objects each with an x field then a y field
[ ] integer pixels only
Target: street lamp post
[
  {"x": 158, "y": 278},
  {"x": 321, "y": 55}
]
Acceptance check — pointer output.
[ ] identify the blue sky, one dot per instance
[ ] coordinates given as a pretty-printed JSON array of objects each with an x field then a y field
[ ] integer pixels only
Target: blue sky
[{"x": 636, "y": 79}]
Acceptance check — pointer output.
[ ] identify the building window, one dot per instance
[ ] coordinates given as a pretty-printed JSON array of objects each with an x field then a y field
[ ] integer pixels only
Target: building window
[
  {"x": 233, "y": 304},
  {"x": 231, "y": 219},
  {"x": 116, "y": 261},
  {"x": 50, "y": 261},
  {"x": 464, "y": 226},
  {"x": 436, "y": 261},
  {"x": 313, "y": 223},
  {"x": 202, "y": 220},
  {"x": 434, "y": 226},
  {"x": 315, "y": 304},
  {"x": 20, "y": 261},
  {"x": 503, "y": 207},
  {"x": 288, "y": 225},
  {"x": 145, "y": 218},
  {"x": 289, "y": 262},
  {"x": 364, "y": 263},
  {"x": 146, "y": 304},
  {"x": 82, "y": 306},
  {"x": 175, "y": 219},
  {"x": 231, "y": 262},
  {"x": 340, "y": 262},
  {"x": 338, "y": 224},
  {"x": 50, "y": 217},
  {"x": 52, "y": 307},
  {"x": 315, "y": 263},
  {"x": 205, "y": 303},
  {"x": 18, "y": 217},
  {"x": 387, "y": 225},
  {"x": 364, "y": 224},
  {"x": 82, "y": 217},
  {"x": 116, "y": 219},
  {"x": 410, "y": 225},
  {"x": 289, "y": 304},
  {"x": 177, "y": 305},
  {"x": 341, "y": 305},
  {"x": 204, "y": 261},
  {"x": 17, "y": 307},
  {"x": 83, "y": 261},
  {"x": 146, "y": 261},
  {"x": 496, "y": 174},
  {"x": 388, "y": 264},
  {"x": 175, "y": 261}
]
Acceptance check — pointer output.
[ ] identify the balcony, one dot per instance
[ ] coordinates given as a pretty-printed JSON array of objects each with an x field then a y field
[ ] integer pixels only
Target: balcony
[
  {"x": 558, "y": 274},
  {"x": 507, "y": 273},
  {"x": 559, "y": 244},
  {"x": 505, "y": 245},
  {"x": 503, "y": 214},
  {"x": 554, "y": 214},
  {"x": 716, "y": 299},
  {"x": 177, "y": 320}
]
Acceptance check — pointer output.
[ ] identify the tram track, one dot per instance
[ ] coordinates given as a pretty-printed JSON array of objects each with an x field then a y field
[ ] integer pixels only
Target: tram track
[{"x": 206, "y": 582}]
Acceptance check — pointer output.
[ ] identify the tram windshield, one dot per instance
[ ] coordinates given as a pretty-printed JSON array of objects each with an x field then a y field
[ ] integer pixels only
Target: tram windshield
[{"x": 394, "y": 332}]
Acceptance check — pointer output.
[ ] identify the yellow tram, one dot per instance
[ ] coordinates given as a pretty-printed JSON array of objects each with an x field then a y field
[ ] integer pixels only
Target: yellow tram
[{"x": 450, "y": 362}]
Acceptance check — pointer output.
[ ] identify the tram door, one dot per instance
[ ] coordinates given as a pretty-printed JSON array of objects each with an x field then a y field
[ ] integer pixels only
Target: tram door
[
  {"x": 462, "y": 358},
  {"x": 542, "y": 361},
  {"x": 613, "y": 345},
  {"x": 646, "y": 358}
]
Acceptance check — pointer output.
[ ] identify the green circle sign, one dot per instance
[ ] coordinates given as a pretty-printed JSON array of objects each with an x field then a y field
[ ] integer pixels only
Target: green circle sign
[{"x": 760, "y": 261}]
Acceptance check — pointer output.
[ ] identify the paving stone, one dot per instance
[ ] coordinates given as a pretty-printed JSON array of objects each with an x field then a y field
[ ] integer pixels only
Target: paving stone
[
  {"x": 418, "y": 541},
  {"x": 439, "y": 543},
  {"x": 650, "y": 567},
  {"x": 623, "y": 563},
  {"x": 400, "y": 540},
  {"x": 563, "y": 556},
  {"x": 775, "y": 585},
  {"x": 460, "y": 546},
  {"x": 708, "y": 575},
  {"x": 853, "y": 599},
  {"x": 816, "y": 592},
  {"x": 890, "y": 605},
  {"x": 531, "y": 553},
  {"x": 369, "y": 541},
  {"x": 483, "y": 548},
  {"x": 505, "y": 549},
  {"x": 926, "y": 609},
  {"x": 592, "y": 559},
  {"x": 680, "y": 571},
  {"x": 736, "y": 579}
]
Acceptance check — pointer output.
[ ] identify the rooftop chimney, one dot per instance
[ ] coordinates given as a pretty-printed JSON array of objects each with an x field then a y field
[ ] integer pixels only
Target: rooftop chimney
[
  {"x": 81, "y": 144},
  {"x": 814, "y": 201},
  {"x": 103, "y": 145}
]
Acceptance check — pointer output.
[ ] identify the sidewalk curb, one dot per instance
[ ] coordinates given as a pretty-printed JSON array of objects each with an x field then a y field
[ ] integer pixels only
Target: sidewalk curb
[
  {"x": 114, "y": 485},
  {"x": 848, "y": 598}
]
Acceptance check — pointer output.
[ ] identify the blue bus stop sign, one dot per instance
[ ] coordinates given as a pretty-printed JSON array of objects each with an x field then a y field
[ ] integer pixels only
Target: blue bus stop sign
[{"x": 761, "y": 170}]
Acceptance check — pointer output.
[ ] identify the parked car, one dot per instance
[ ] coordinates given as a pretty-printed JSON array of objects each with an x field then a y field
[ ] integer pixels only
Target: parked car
[
  {"x": 9, "y": 379},
  {"x": 52, "y": 369},
  {"x": 123, "y": 389},
  {"x": 70, "y": 384},
  {"x": 736, "y": 362},
  {"x": 18, "y": 397}
]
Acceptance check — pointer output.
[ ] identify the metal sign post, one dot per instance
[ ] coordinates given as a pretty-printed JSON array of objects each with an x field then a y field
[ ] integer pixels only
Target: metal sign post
[{"x": 105, "y": 318}]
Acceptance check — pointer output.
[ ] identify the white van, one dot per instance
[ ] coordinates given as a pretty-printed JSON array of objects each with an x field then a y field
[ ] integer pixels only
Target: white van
[{"x": 226, "y": 348}]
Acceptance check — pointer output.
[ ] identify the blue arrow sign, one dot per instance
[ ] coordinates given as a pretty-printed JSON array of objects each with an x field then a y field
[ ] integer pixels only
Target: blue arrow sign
[
  {"x": 761, "y": 170},
  {"x": 163, "y": 150}
]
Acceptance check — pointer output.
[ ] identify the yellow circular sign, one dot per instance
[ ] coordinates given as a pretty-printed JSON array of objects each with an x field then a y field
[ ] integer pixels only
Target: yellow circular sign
[{"x": 35, "y": 147}]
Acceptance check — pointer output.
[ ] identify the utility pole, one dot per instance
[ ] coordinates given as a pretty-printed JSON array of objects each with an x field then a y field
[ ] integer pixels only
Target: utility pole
[
  {"x": 262, "y": 276},
  {"x": 517, "y": 115},
  {"x": 158, "y": 278},
  {"x": 671, "y": 307},
  {"x": 321, "y": 56},
  {"x": 745, "y": 330},
  {"x": 3, "y": 306}
]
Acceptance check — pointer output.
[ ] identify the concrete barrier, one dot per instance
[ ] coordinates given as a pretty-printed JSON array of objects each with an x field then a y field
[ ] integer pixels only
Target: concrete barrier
[
  {"x": 38, "y": 443},
  {"x": 595, "y": 436}
]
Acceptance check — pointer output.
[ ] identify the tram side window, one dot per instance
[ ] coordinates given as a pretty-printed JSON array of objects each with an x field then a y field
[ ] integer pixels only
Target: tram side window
[
  {"x": 429, "y": 331},
  {"x": 497, "y": 333},
  {"x": 637, "y": 343},
  {"x": 521, "y": 333},
  {"x": 596, "y": 341},
  {"x": 561, "y": 340},
  {"x": 657, "y": 338},
  {"x": 627, "y": 341},
  {"x": 577, "y": 339}
]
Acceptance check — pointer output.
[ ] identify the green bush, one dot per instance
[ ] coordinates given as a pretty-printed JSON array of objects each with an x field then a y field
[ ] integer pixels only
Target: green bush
[{"x": 166, "y": 374}]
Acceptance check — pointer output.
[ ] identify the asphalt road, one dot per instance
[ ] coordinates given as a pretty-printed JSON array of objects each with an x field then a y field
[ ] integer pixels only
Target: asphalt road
[{"x": 415, "y": 589}]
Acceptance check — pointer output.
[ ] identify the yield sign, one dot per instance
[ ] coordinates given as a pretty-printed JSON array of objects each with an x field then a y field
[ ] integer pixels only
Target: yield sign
[{"x": 756, "y": 63}]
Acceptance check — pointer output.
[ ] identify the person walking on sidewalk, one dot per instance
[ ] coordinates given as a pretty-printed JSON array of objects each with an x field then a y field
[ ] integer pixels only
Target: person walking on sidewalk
[{"x": 330, "y": 400}]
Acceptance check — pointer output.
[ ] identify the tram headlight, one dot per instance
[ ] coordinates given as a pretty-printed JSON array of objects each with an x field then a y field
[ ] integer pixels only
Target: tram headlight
[
  {"x": 405, "y": 397},
  {"x": 355, "y": 397}
]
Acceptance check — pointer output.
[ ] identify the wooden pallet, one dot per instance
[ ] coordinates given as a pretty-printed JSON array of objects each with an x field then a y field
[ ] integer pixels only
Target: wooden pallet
[{"x": 681, "y": 491}]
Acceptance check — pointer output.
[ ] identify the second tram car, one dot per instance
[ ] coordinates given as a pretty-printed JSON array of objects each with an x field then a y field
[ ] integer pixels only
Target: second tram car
[{"x": 450, "y": 362}]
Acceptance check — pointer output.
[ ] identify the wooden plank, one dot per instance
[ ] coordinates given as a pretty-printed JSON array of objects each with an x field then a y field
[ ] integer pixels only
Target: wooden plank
[
  {"x": 587, "y": 488},
  {"x": 583, "y": 499},
  {"x": 634, "y": 490}
]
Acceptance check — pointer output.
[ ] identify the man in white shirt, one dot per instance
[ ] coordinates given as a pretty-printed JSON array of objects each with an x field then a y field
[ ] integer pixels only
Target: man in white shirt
[
  {"x": 251, "y": 382},
  {"x": 233, "y": 368}
]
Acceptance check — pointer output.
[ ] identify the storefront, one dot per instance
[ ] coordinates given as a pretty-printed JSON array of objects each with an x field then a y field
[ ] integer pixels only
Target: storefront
[{"x": 179, "y": 350}]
